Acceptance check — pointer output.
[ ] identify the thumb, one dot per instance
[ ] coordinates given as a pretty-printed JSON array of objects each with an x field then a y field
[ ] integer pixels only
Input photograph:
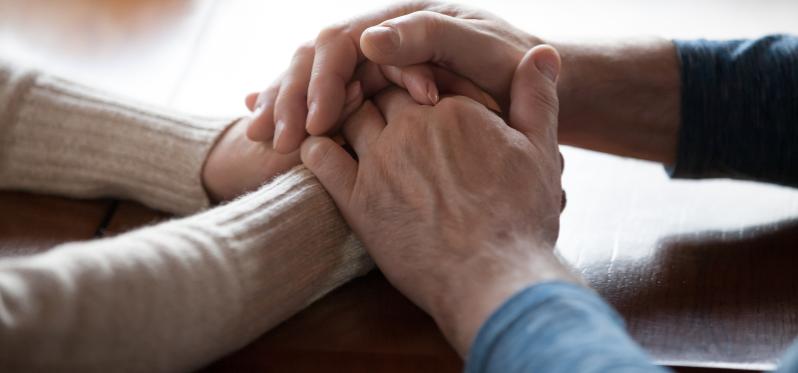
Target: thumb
[
  {"x": 332, "y": 165},
  {"x": 534, "y": 105},
  {"x": 413, "y": 38},
  {"x": 458, "y": 44}
]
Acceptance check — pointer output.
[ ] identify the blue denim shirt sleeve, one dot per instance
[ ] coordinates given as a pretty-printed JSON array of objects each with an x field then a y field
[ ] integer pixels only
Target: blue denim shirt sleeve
[
  {"x": 739, "y": 109},
  {"x": 789, "y": 363},
  {"x": 556, "y": 327}
]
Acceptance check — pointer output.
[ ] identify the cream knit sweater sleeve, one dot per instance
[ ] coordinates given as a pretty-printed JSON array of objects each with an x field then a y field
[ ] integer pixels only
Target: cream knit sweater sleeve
[
  {"x": 60, "y": 137},
  {"x": 170, "y": 297}
]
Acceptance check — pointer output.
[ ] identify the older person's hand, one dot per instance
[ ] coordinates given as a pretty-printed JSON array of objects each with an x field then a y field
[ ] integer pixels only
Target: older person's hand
[
  {"x": 457, "y": 208},
  {"x": 456, "y": 41}
]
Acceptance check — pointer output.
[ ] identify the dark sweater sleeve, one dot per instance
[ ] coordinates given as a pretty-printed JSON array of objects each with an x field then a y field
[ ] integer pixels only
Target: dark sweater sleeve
[{"x": 739, "y": 110}]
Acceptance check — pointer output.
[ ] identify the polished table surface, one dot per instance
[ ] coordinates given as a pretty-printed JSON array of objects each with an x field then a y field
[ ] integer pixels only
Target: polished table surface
[{"x": 703, "y": 272}]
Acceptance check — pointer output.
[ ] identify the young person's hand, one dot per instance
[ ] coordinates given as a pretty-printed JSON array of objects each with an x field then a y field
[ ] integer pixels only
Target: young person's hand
[
  {"x": 473, "y": 46},
  {"x": 458, "y": 209}
]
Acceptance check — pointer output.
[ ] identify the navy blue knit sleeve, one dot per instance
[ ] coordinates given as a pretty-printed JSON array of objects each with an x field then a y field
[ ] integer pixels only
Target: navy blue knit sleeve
[{"x": 739, "y": 110}]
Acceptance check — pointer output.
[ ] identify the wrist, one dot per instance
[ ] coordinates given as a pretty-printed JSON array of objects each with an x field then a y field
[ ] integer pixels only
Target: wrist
[
  {"x": 621, "y": 97},
  {"x": 474, "y": 294},
  {"x": 216, "y": 181}
]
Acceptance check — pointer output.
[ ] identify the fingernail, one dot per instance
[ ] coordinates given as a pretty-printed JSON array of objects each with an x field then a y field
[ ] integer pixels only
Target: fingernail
[
  {"x": 384, "y": 38},
  {"x": 432, "y": 93},
  {"x": 548, "y": 65},
  {"x": 491, "y": 103},
  {"x": 278, "y": 130},
  {"x": 311, "y": 113}
]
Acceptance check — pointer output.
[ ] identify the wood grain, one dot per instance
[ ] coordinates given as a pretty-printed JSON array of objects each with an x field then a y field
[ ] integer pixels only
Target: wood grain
[
  {"x": 364, "y": 326},
  {"x": 731, "y": 294},
  {"x": 31, "y": 223},
  {"x": 701, "y": 271}
]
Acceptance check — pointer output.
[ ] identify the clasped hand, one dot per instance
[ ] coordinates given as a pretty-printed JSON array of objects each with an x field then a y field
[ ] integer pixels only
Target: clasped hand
[
  {"x": 458, "y": 209},
  {"x": 452, "y": 114}
]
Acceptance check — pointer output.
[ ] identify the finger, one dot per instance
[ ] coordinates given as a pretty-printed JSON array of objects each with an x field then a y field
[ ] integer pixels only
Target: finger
[
  {"x": 375, "y": 79},
  {"x": 453, "y": 84},
  {"x": 363, "y": 128},
  {"x": 407, "y": 40},
  {"x": 262, "y": 126},
  {"x": 419, "y": 80},
  {"x": 337, "y": 54},
  {"x": 354, "y": 99},
  {"x": 249, "y": 101},
  {"x": 335, "y": 62},
  {"x": 290, "y": 108},
  {"x": 392, "y": 102},
  {"x": 533, "y": 98},
  {"x": 371, "y": 78},
  {"x": 332, "y": 165},
  {"x": 455, "y": 43}
]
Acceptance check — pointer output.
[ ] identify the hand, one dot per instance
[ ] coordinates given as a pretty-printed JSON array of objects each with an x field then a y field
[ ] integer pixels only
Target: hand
[
  {"x": 236, "y": 165},
  {"x": 474, "y": 45},
  {"x": 458, "y": 209}
]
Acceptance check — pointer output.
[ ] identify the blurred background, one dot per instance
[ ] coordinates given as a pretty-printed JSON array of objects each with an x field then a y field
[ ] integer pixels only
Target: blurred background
[
  {"x": 646, "y": 243},
  {"x": 204, "y": 55}
]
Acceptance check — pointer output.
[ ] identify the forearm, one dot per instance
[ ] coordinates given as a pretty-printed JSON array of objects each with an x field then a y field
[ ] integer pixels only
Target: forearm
[
  {"x": 621, "y": 97},
  {"x": 703, "y": 108},
  {"x": 175, "y": 296},
  {"x": 62, "y": 138}
]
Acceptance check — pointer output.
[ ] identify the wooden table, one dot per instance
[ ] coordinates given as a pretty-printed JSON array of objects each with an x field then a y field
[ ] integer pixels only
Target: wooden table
[{"x": 703, "y": 272}]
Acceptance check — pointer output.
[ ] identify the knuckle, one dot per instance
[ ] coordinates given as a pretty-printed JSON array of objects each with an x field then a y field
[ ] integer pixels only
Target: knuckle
[
  {"x": 546, "y": 100},
  {"x": 433, "y": 23},
  {"x": 331, "y": 32},
  {"x": 273, "y": 91},
  {"x": 270, "y": 93},
  {"x": 456, "y": 106},
  {"x": 414, "y": 5},
  {"x": 411, "y": 129},
  {"x": 305, "y": 49},
  {"x": 317, "y": 155},
  {"x": 421, "y": 4},
  {"x": 450, "y": 113},
  {"x": 450, "y": 103},
  {"x": 410, "y": 119}
]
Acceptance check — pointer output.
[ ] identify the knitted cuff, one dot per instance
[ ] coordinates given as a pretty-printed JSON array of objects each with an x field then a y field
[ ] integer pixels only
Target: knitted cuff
[{"x": 60, "y": 137}]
